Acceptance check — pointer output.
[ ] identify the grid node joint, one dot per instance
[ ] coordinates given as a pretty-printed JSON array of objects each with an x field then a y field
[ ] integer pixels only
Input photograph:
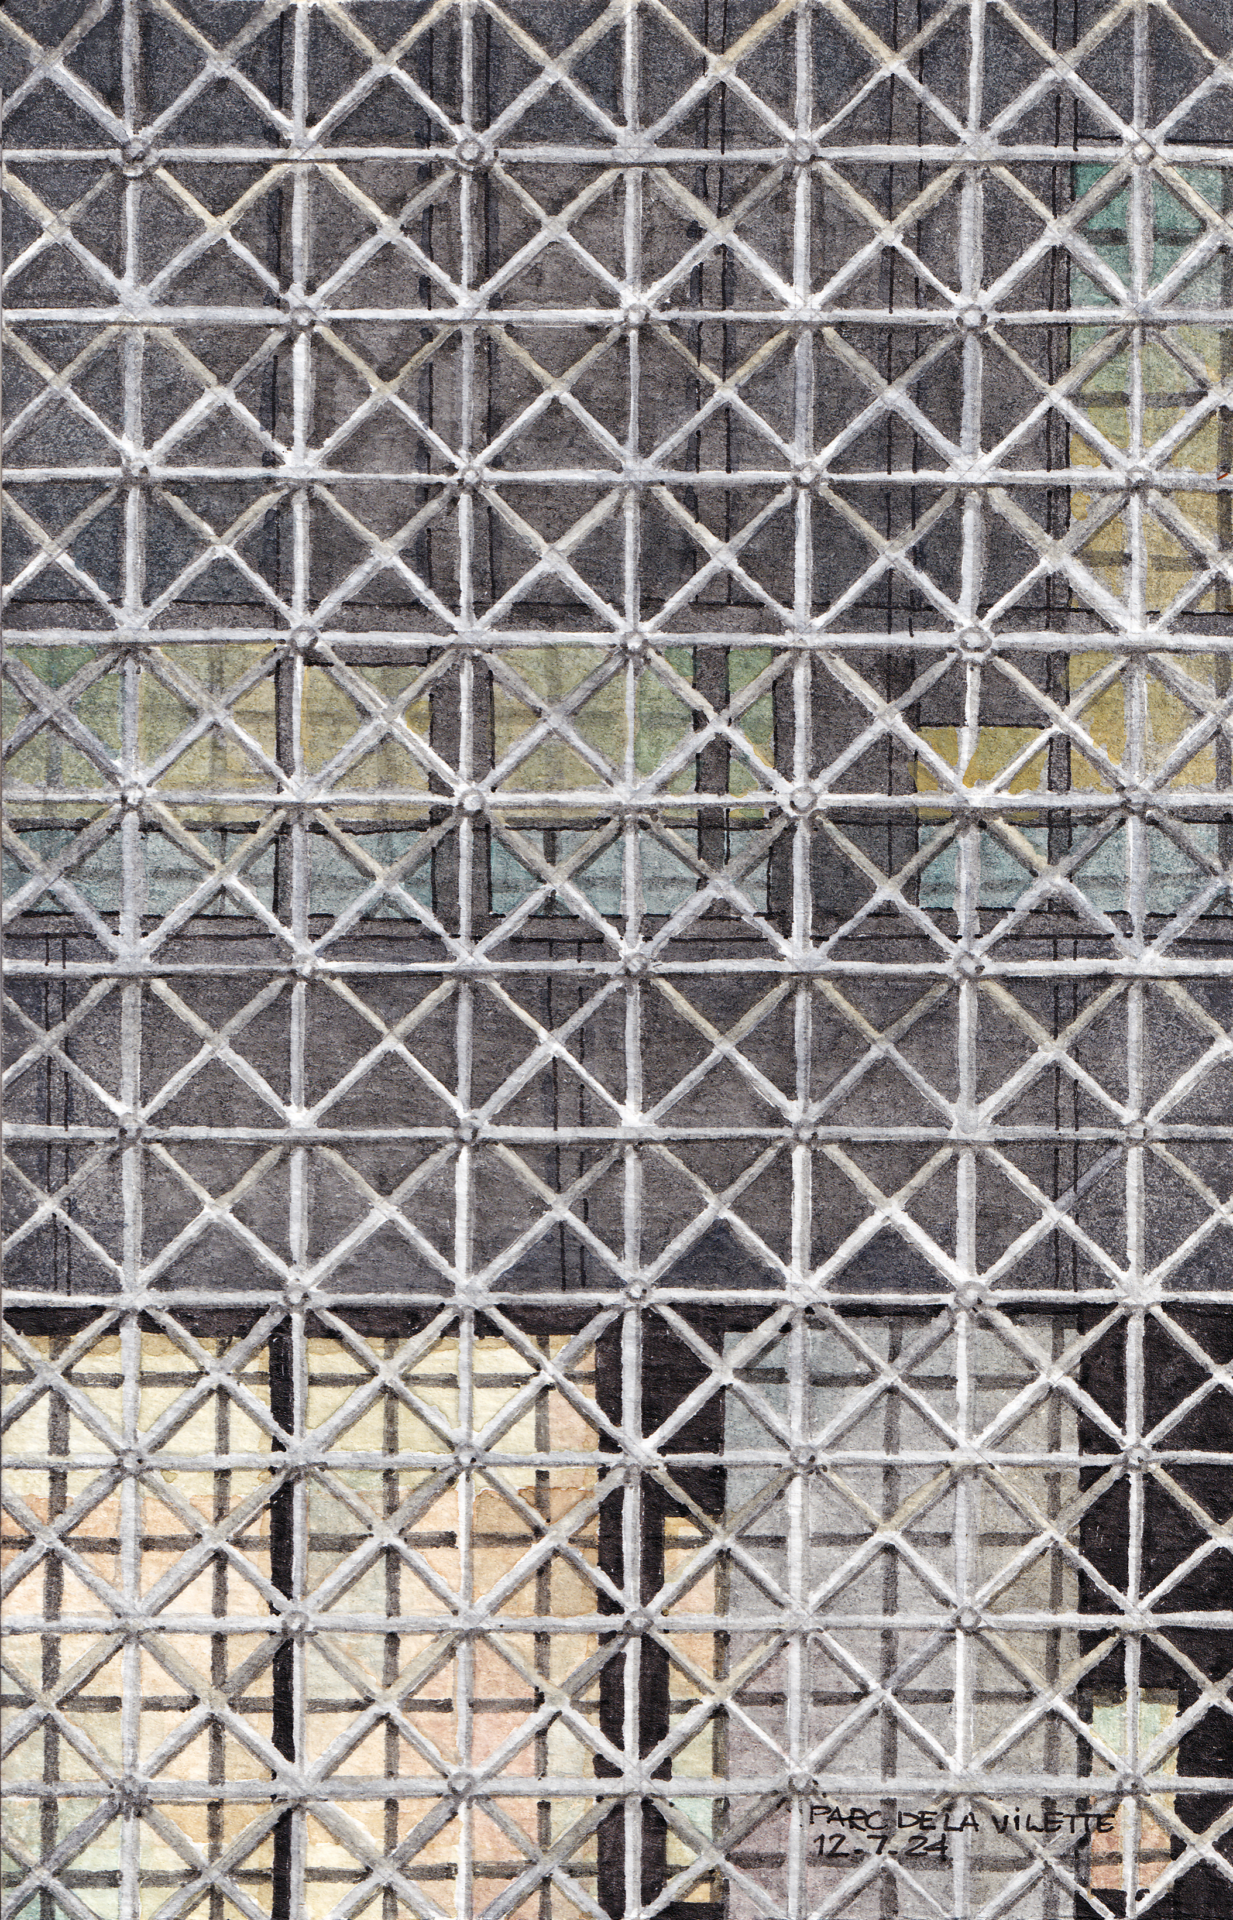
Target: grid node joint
[
  {"x": 132, "y": 1795},
  {"x": 472, "y": 152},
  {"x": 801, "y": 151},
  {"x": 636, "y": 965},
  {"x": 635, "y": 315},
  {"x": 1138, "y": 1456},
  {"x": 471, "y": 800},
  {"x": 134, "y": 157},
  {"x": 467, "y": 1132},
  {"x": 968, "y": 1619},
  {"x": 975, "y": 640},
  {"x": 973, "y": 318},
  {"x": 970, "y": 1298},
  {"x": 803, "y": 799}
]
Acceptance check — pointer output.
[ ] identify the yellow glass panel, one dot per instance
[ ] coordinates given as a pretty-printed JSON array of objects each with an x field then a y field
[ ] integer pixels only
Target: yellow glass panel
[
  {"x": 1157, "y": 1712},
  {"x": 1103, "y": 718},
  {"x": 554, "y": 673},
  {"x": 216, "y": 761},
  {"x": 665, "y": 721},
  {"x": 993, "y": 750},
  {"x": 1168, "y": 717},
  {"x": 329, "y": 718}
]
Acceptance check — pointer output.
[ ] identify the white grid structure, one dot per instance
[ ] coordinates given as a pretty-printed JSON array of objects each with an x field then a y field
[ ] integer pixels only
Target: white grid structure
[{"x": 619, "y": 958}]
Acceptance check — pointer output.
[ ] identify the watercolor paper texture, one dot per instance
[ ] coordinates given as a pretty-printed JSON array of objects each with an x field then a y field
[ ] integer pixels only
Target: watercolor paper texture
[{"x": 619, "y": 959}]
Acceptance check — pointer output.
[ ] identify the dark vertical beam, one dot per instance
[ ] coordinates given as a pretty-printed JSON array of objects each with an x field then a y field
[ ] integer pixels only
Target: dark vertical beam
[
  {"x": 282, "y": 1578},
  {"x": 610, "y": 1836}
]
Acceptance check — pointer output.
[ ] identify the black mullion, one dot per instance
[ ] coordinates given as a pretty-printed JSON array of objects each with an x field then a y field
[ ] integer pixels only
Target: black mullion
[
  {"x": 892, "y": 1481},
  {"x": 215, "y": 1827},
  {"x": 1058, "y": 777},
  {"x": 783, "y": 753},
  {"x": 282, "y": 1578},
  {"x": 274, "y": 396},
  {"x": 610, "y": 1835},
  {"x": 393, "y": 1605},
  {"x": 1057, "y": 358},
  {"x": 281, "y": 1374},
  {"x": 671, "y": 1372},
  {"x": 543, "y": 1641},
  {"x": 654, "y": 1708},
  {"x": 53, "y": 1601},
  {"x": 711, "y": 663}
]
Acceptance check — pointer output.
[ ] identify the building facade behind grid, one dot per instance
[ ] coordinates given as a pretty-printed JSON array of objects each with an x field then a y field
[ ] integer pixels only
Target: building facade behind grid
[{"x": 620, "y": 959}]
